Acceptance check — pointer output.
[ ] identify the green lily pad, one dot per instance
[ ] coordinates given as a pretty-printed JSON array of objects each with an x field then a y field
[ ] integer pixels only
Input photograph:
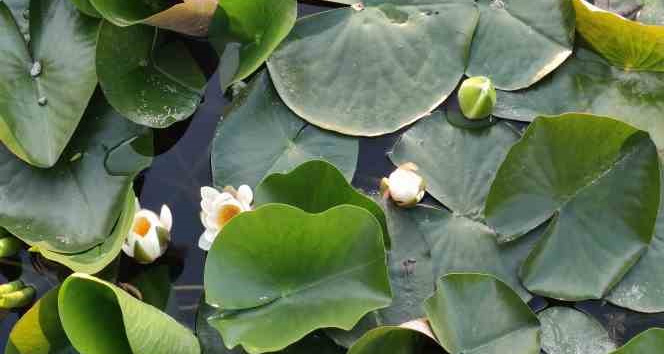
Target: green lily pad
[
  {"x": 245, "y": 33},
  {"x": 650, "y": 12},
  {"x": 85, "y": 7},
  {"x": 568, "y": 331},
  {"x": 73, "y": 206},
  {"x": 20, "y": 9},
  {"x": 278, "y": 273},
  {"x": 190, "y": 17},
  {"x": 314, "y": 187},
  {"x": 259, "y": 136},
  {"x": 588, "y": 83},
  {"x": 479, "y": 314},
  {"x": 518, "y": 42},
  {"x": 570, "y": 169},
  {"x": 624, "y": 43},
  {"x": 397, "y": 340},
  {"x": 148, "y": 82},
  {"x": 100, "y": 318},
  {"x": 349, "y": 69},
  {"x": 94, "y": 260},
  {"x": 212, "y": 343},
  {"x": 648, "y": 342},
  {"x": 39, "y": 330},
  {"x": 642, "y": 289},
  {"x": 457, "y": 164},
  {"x": 38, "y": 117}
]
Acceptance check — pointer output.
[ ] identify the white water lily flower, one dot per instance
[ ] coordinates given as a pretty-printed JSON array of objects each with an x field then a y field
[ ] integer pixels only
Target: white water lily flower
[
  {"x": 150, "y": 234},
  {"x": 218, "y": 208},
  {"x": 404, "y": 186}
]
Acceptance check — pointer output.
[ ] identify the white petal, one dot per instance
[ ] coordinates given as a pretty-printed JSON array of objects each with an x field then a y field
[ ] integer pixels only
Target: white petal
[
  {"x": 210, "y": 234},
  {"x": 223, "y": 197},
  {"x": 150, "y": 244},
  {"x": 204, "y": 244},
  {"x": 166, "y": 217},
  {"x": 245, "y": 195},
  {"x": 137, "y": 205},
  {"x": 203, "y": 215},
  {"x": 209, "y": 193},
  {"x": 128, "y": 249}
]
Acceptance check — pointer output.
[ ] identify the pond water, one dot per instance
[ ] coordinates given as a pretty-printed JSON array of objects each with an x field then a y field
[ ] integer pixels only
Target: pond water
[{"x": 177, "y": 174}]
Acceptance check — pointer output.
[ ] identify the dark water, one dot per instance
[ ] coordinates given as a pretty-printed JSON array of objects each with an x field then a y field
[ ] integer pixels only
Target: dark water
[{"x": 175, "y": 178}]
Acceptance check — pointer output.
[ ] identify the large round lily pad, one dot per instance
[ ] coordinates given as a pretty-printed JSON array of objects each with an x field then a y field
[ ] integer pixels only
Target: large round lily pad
[
  {"x": 588, "y": 83},
  {"x": 278, "y": 273},
  {"x": 479, "y": 314},
  {"x": 259, "y": 136},
  {"x": 372, "y": 69},
  {"x": 570, "y": 169},
  {"x": 100, "y": 318},
  {"x": 151, "y": 83},
  {"x": 518, "y": 42},
  {"x": 568, "y": 331},
  {"x": 38, "y": 117},
  {"x": 74, "y": 205}
]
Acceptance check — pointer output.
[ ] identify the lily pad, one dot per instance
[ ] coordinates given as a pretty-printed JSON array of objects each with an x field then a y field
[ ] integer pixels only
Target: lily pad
[
  {"x": 395, "y": 339},
  {"x": 314, "y": 187},
  {"x": 96, "y": 259},
  {"x": 100, "y": 318},
  {"x": 372, "y": 69},
  {"x": 588, "y": 83},
  {"x": 212, "y": 343},
  {"x": 151, "y": 83},
  {"x": 39, "y": 330},
  {"x": 278, "y": 273},
  {"x": 457, "y": 164},
  {"x": 190, "y": 17},
  {"x": 518, "y": 42},
  {"x": 624, "y": 43},
  {"x": 479, "y": 314},
  {"x": 568, "y": 331},
  {"x": 570, "y": 169},
  {"x": 650, "y": 12},
  {"x": 642, "y": 289},
  {"x": 85, "y": 7},
  {"x": 648, "y": 342},
  {"x": 89, "y": 197},
  {"x": 259, "y": 136},
  {"x": 38, "y": 117},
  {"x": 245, "y": 33}
]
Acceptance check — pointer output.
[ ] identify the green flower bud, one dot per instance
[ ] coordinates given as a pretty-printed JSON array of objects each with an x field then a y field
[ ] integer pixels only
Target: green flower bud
[
  {"x": 477, "y": 97},
  {"x": 9, "y": 246}
]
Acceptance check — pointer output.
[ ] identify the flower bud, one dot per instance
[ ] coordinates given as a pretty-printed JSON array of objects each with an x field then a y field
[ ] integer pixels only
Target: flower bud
[
  {"x": 477, "y": 97},
  {"x": 149, "y": 236},
  {"x": 404, "y": 186},
  {"x": 15, "y": 294}
]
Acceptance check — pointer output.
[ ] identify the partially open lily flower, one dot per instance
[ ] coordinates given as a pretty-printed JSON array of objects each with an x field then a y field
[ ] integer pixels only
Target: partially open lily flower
[
  {"x": 150, "y": 234},
  {"x": 404, "y": 186},
  {"x": 218, "y": 208}
]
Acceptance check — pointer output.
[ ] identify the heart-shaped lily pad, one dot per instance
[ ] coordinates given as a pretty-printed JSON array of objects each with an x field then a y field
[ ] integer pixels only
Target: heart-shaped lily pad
[
  {"x": 190, "y": 17},
  {"x": 587, "y": 83},
  {"x": 624, "y": 43},
  {"x": 245, "y": 33},
  {"x": 100, "y": 318},
  {"x": 259, "y": 136},
  {"x": 372, "y": 69},
  {"x": 518, "y": 42},
  {"x": 89, "y": 197},
  {"x": 151, "y": 83},
  {"x": 479, "y": 314},
  {"x": 570, "y": 169},
  {"x": 97, "y": 258},
  {"x": 278, "y": 273},
  {"x": 314, "y": 187},
  {"x": 648, "y": 342},
  {"x": 38, "y": 117},
  {"x": 568, "y": 331}
]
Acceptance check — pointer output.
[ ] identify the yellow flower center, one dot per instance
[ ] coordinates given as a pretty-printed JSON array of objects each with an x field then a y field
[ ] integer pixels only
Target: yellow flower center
[
  {"x": 141, "y": 226},
  {"x": 226, "y": 213}
]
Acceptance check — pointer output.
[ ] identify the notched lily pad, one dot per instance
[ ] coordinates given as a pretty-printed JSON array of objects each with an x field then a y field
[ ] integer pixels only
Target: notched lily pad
[
  {"x": 372, "y": 69},
  {"x": 479, "y": 314},
  {"x": 259, "y": 136},
  {"x": 278, "y": 273},
  {"x": 89, "y": 199},
  {"x": 149, "y": 82},
  {"x": 569, "y": 169},
  {"x": 100, "y": 318},
  {"x": 38, "y": 117}
]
